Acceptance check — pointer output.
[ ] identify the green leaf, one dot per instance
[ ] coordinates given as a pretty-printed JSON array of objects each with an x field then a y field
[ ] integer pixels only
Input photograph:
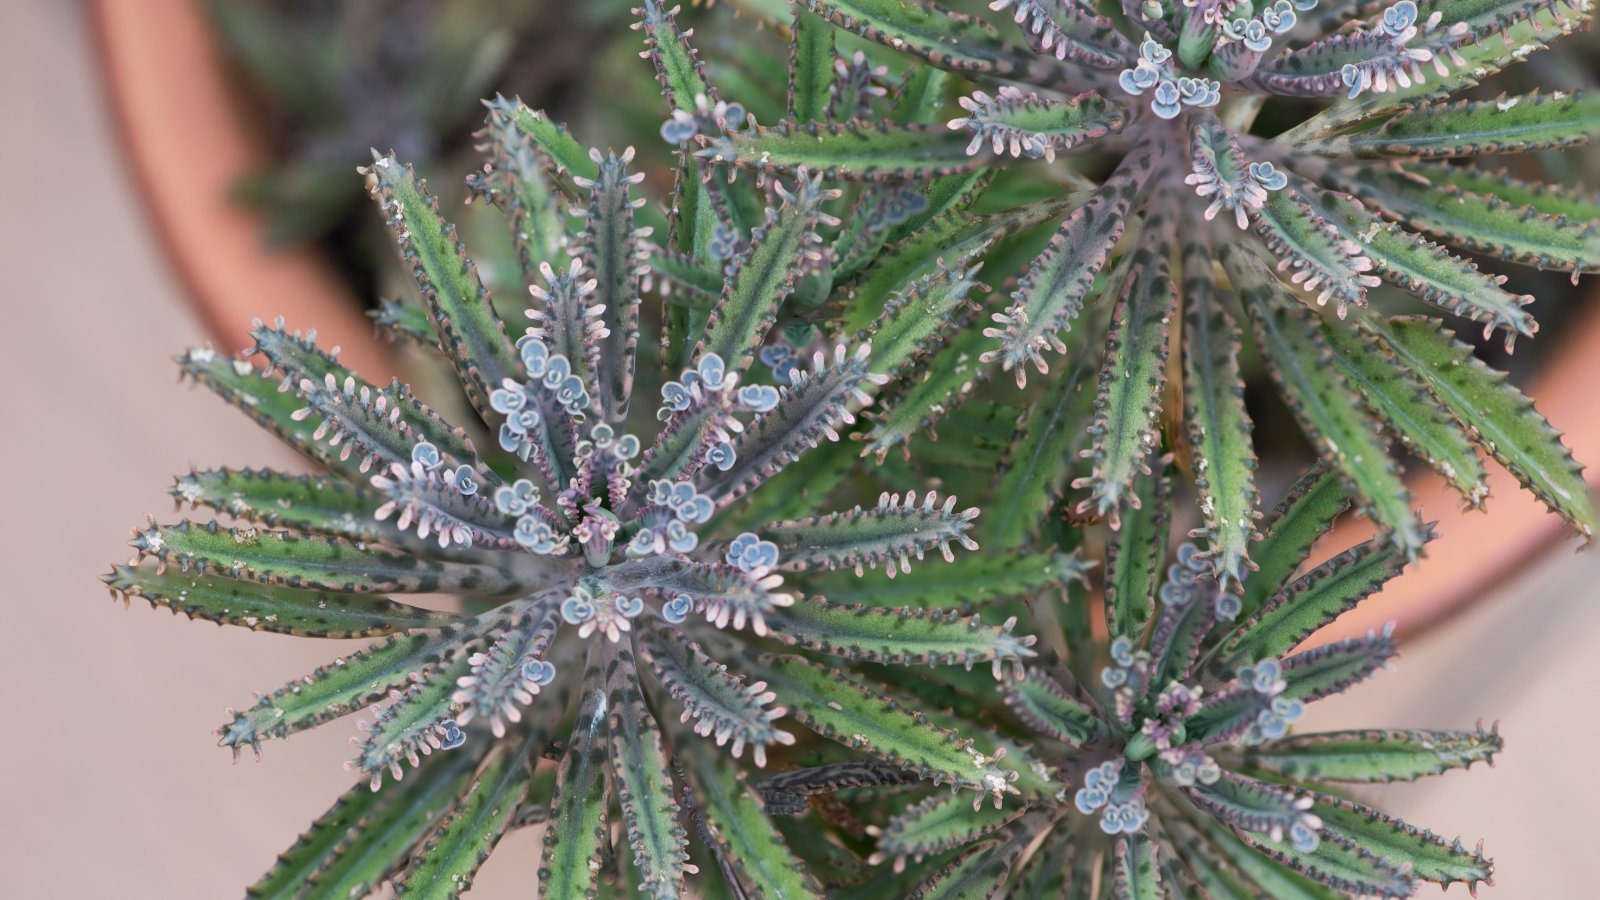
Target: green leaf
[
  {"x": 1322, "y": 400},
  {"x": 1306, "y": 513},
  {"x": 1047, "y": 707},
  {"x": 763, "y": 276},
  {"x": 299, "y": 560},
  {"x": 640, "y": 771},
  {"x": 1373, "y": 756},
  {"x": 1127, "y": 404},
  {"x": 567, "y": 157},
  {"x": 1339, "y": 863},
  {"x": 948, "y": 378},
  {"x": 740, "y": 832},
  {"x": 348, "y": 684},
  {"x": 949, "y": 40},
  {"x": 1272, "y": 879},
  {"x": 447, "y": 861},
  {"x": 1474, "y": 128},
  {"x": 1333, "y": 668},
  {"x": 242, "y": 384},
  {"x": 282, "y": 610},
  {"x": 515, "y": 180},
  {"x": 613, "y": 250},
  {"x": 1030, "y": 126},
  {"x": 939, "y": 823},
  {"x": 1399, "y": 396},
  {"x": 976, "y": 580},
  {"x": 575, "y": 841},
  {"x": 1572, "y": 201},
  {"x": 1136, "y": 871},
  {"x": 886, "y": 536},
  {"x": 1506, "y": 424},
  {"x": 1218, "y": 425},
  {"x": 851, "y": 151},
  {"x": 724, "y": 706},
  {"x": 982, "y": 873},
  {"x": 810, "y": 67},
  {"x": 1323, "y": 263},
  {"x": 1314, "y": 600},
  {"x": 469, "y": 329},
  {"x": 1431, "y": 272},
  {"x": 1422, "y": 854},
  {"x": 1052, "y": 291},
  {"x": 918, "y": 321},
  {"x": 1034, "y": 475},
  {"x": 1480, "y": 223},
  {"x": 318, "y": 503},
  {"x": 905, "y": 636},
  {"x": 841, "y": 709},
  {"x": 1134, "y": 556},
  {"x": 678, "y": 69},
  {"x": 366, "y": 836}
]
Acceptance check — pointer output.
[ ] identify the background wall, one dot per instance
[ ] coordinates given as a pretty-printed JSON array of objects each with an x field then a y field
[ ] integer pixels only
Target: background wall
[{"x": 111, "y": 778}]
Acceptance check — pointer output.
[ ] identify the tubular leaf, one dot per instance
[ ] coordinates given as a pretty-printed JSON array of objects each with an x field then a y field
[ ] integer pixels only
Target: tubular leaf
[
  {"x": 1304, "y": 515},
  {"x": 1422, "y": 854},
  {"x": 1219, "y": 426},
  {"x": 1504, "y": 420},
  {"x": 459, "y": 845},
  {"x": 887, "y": 536},
  {"x": 1474, "y": 128},
  {"x": 1398, "y": 395},
  {"x": 851, "y": 151},
  {"x": 724, "y": 706},
  {"x": 962, "y": 44},
  {"x": 1134, "y": 556},
  {"x": 1049, "y": 708},
  {"x": 640, "y": 772},
  {"x": 903, "y": 637},
  {"x": 576, "y": 840},
  {"x": 1329, "y": 413},
  {"x": 1374, "y": 756},
  {"x": 261, "y": 607},
  {"x": 844, "y": 710}
]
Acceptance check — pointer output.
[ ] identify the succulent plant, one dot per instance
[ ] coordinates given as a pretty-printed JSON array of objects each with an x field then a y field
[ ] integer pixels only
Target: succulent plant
[
  {"x": 1263, "y": 160},
  {"x": 1171, "y": 764},
  {"x": 607, "y": 582}
]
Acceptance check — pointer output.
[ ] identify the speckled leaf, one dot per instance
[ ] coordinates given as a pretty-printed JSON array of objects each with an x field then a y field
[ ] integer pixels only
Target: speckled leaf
[
  {"x": 842, "y": 709},
  {"x": 296, "y": 559},
  {"x": 1374, "y": 756},
  {"x": 1320, "y": 261},
  {"x": 1127, "y": 403},
  {"x": 947, "y": 39},
  {"x": 1218, "y": 425},
  {"x": 1398, "y": 395},
  {"x": 567, "y": 157},
  {"x": 888, "y": 535},
  {"x": 939, "y": 823},
  {"x": 1333, "y": 668},
  {"x": 1136, "y": 869},
  {"x": 948, "y": 377},
  {"x": 1135, "y": 553},
  {"x": 856, "y": 150},
  {"x": 515, "y": 180},
  {"x": 678, "y": 69},
  {"x": 260, "y": 607},
  {"x": 1304, "y": 515},
  {"x": 905, "y": 636},
  {"x": 1339, "y": 863},
  {"x": 469, "y": 329},
  {"x": 1476, "y": 222},
  {"x": 725, "y": 706},
  {"x": 1053, "y": 290},
  {"x": 1504, "y": 420},
  {"x": 974, "y": 579},
  {"x": 575, "y": 841},
  {"x": 1317, "y": 598},
  {"x": 1423, "y": 854},
  {"x": 640, "y": 772},
  {"x": 448, "y": 860},
  {"x": 316, "y": 503},
  {"x": 1576, "y": 202},
  {"x": 366, "y": 836},
  {"x": 742, "y": 835},
  {"x": 810, "y": 67},
  {"x": 1038, "y": 464},
  {"x": 1048, "y": 707},
  {"x": 1474, "y": 128},
  {"x": 1328, "y": 410},
  {"x": 1431, "y": 272},
  {"x": 763, "y": 276},
  {"x": 982, "y": 873}
]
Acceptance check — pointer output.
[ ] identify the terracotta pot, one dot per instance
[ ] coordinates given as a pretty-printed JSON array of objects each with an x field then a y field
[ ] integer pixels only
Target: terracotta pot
[{"x": 188, "y": 140}]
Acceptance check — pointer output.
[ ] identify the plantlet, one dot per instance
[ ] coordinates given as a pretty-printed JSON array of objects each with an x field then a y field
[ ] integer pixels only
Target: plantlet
[
  {"x": 1208, "y": 220},
  {"x": 1172, "y": 769},
  {"x": 623, "y": 608}
]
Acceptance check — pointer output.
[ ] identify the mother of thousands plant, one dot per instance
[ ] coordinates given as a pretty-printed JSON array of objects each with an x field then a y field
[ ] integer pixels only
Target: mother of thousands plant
[
  {"x": 618, "y": 612},
  {"x": 1172, "y": 769},
  {"x": 643, "y": 590},
  {"x": 1213, "y": 211}
]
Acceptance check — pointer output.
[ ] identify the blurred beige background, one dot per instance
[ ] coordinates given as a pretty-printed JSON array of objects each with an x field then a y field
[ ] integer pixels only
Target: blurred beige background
[{"x": 111, "y": 781}]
